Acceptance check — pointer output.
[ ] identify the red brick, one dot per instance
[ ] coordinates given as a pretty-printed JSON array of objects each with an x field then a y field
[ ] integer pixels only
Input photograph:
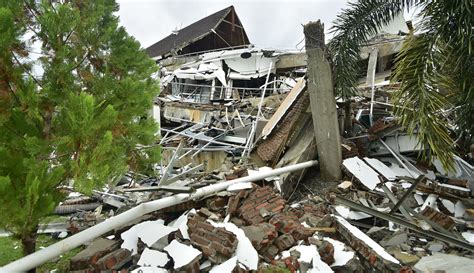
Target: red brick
[
  {"x": 114, "y": 260},
  {"x": 326, "y": 251}
]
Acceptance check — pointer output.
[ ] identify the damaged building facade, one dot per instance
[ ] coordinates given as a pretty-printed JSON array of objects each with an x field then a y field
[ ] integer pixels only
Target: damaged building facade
[{"x": 233, "y": 194}]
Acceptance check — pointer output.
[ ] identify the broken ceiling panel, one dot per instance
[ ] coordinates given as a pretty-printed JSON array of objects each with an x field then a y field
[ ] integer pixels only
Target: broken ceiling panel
[
  {"x": 182, "y": 254},
  {"x": 363, "y": 172}
]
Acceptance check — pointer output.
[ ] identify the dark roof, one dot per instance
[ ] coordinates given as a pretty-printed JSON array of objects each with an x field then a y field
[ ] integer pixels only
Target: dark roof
[{"x": 188, "y": 34}]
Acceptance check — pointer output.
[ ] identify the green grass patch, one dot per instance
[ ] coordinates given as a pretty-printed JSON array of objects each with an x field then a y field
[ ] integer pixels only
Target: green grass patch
[{"x": 10, "y": 250}]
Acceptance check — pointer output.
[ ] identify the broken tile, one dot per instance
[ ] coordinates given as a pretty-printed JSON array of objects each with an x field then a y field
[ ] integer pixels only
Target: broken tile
[
  {"x": 225, "y": 267},
  {"x": 469, "y": 236},
  {"x": 149, "y": 232},
  {"x": 181, "y": 223},
  {"x": 153, "y": 258},
  {"x": 182, "y": 254}
]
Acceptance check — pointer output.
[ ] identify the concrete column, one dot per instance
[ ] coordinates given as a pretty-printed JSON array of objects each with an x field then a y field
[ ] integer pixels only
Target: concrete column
[{"x": 323, "y": 103}]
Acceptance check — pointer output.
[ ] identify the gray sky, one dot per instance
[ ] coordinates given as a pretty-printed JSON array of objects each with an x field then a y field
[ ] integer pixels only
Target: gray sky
[{"x": 275, "y": 24}]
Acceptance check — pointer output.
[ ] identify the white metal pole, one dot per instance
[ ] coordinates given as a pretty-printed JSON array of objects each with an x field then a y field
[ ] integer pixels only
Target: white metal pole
[
  {"x": 38, "y": 258},
  {"x": 249, "y": 145}
]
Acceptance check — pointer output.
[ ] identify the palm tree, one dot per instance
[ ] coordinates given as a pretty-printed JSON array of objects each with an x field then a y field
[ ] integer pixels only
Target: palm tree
[{"x": 435, "y": 67}]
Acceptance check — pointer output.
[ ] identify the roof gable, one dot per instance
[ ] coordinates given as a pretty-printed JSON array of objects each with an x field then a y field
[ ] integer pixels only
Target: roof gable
[{"x": 192, "y": 33}]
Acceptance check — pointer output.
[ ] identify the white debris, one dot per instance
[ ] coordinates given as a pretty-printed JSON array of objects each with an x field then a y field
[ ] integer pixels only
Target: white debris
[
  {"x": 419, "y": 199},
  {"x": 307, "y": 253},
  {"x": 207, "y": 264},
  {"x": 469, "y": 236},
  {"x": 341, "y": 256},
  {"x": 448, "y": 205},
  {"x": 344, "y": 185},
  {"x": 367, "y": 240},
  {"x": 363, "y": 172},
  {"x": 319, "y": 266},
  {"x": 381, "y": 168},
  {"x": 430, "y": 202},
  {"x": 182, "y": 223},
  {"x": 240, "y": 186},
  {"x": 149, "y": 270},
  {"x": 350, "y": 214},
  {"x": 459, "y": 209},
  {"x": 153, "y": 258},
  {"x": 149, "y": 232},
  {"x": 182, "y": 254},
  {"x": 245, "y": 252},
  {"x": 225, "y": 267}
]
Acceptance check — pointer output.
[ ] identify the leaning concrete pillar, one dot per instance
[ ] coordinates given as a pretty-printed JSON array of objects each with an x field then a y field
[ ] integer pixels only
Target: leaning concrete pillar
[{"x": 323, "y": 103}]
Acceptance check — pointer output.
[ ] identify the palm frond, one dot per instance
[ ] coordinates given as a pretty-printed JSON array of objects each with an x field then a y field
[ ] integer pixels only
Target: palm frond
[
  {"x": 452, "y": 23},
  {"x": 420, "y": 100}
]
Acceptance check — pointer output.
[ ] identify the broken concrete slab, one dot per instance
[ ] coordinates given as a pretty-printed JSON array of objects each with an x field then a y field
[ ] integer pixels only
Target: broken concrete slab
[
  {"x": 364, "y": 244},
  {"x": 395, "y": 239}
]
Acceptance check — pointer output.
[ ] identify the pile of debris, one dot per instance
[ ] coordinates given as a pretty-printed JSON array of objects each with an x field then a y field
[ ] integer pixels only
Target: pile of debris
[{"x": 379, "y": 219}]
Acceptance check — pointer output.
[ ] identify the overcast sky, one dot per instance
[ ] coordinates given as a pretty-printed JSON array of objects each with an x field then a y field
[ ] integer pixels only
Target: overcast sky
[{"x": 275, "y": 24}]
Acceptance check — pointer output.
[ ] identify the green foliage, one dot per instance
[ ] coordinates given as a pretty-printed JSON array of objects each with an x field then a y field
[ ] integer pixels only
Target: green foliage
[
  {"x": 351, "y": 30},
  {"x": 435, "y": 68},
  {"x": 83, "y": 120}
]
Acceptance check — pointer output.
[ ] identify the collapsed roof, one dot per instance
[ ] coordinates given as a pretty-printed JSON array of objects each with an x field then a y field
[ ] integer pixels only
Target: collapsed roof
[{"x": 219, "y": 30}]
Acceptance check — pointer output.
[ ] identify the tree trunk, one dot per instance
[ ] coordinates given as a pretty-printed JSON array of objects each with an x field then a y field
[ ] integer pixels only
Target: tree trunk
[{"x": 29, "y": 246}]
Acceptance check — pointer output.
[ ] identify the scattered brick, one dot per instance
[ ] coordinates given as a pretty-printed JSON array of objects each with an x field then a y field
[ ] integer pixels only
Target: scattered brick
[
  {"x": 260, "y": 198},
  {"x": 326, "y": 251},
  {"x": 114, "y": 260},
  {"x": 217, "y": 244},
  {"x": 90, "y": 255},
  {"x": 284, "y": 242}
]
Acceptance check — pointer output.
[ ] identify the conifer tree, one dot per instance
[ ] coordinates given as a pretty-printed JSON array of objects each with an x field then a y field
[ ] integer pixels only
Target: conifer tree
[{"x": 77, "y": 115}]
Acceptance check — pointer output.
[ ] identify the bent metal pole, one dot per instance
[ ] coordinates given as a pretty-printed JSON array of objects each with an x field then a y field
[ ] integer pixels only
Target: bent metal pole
[{"x": 38, "y": 258}]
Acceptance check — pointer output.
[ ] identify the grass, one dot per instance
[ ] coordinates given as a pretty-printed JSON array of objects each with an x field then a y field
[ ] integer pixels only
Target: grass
[{"x": 10, "y": 250}]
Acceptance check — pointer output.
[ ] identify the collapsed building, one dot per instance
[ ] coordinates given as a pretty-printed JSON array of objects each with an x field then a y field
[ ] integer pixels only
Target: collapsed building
[{"x": 232, "y": 112}]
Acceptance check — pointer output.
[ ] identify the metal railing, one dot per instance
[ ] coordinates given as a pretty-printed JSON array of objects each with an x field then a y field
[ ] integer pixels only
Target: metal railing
[{"x": 202, "y": 93}]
